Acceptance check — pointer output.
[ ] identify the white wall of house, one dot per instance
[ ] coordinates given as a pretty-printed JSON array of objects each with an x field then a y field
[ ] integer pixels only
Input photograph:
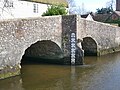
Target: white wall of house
[{"x": 21, "y": 9}]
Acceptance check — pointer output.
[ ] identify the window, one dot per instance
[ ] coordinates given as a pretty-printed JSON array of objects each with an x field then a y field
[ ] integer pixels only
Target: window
[
  {"x": 8, "y": 3},
  {"x": 35, "y": 8}
]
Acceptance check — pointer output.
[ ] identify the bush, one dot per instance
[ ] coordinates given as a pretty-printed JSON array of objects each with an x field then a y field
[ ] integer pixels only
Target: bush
[
  {"x": 104, "y": 10},
  {"x": 55, "y": 10}
]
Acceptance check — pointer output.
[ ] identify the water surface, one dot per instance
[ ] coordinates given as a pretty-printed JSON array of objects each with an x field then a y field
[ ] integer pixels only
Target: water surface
[{"x": 98, "y": 73}]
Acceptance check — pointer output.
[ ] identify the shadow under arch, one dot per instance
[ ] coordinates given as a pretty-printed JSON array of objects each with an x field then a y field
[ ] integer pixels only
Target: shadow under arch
[
  {"x": 45, "y": 51},
  {"x": 89, "y": 46}
]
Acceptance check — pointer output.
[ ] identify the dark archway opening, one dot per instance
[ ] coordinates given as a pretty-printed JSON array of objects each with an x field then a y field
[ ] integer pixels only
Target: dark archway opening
[
  {"x": 45, "y": 52},
  {"x": 89, "y": 46}
]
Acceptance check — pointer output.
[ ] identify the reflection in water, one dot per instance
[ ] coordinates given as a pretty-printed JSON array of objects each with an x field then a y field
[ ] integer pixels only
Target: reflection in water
[
  {"x": 98, "y": 73},
  {"x": 14, "y": 83},
  {"x": 73, "y": 79},
  {"x": 44, "y": 77}
]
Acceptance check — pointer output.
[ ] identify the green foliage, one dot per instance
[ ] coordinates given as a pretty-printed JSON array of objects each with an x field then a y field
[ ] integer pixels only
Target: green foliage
[
  {"x": 55, "y": 10},
  {"x": 104, "y": 10},
  {"x": 113, "y": 21}
]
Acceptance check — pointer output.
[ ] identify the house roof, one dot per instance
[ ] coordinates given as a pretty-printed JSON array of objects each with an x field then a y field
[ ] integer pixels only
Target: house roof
[
  {"x": 84, "y": 16},
  {"x": 64, "y": 2},
  {"x": 97, "y": 17},
  {"x": 101, "y": 17},
  {"x": 105, "y": 17},
  {"x": 113, "y": 18},
  {"x": 88, "y": 16}
]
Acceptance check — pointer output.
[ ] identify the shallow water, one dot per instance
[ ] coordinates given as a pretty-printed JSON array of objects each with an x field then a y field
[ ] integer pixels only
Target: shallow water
[{"x": 98, "y": 73}]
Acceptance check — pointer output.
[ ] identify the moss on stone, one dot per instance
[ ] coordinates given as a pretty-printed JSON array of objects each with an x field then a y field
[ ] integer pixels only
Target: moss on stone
[
  {"x": 1, "y": 76},
  {"x": 9, "y": 72},
  {"x": 107, "y": 51}
]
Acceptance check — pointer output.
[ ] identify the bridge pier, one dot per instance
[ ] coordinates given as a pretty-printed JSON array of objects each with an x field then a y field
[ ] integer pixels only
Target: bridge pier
[{"x": 69, "y": 41}]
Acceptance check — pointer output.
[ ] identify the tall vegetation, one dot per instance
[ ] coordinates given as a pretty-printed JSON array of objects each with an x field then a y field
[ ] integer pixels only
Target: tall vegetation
[
  {"x": 104, "y": 10},
  {"x": 108, "y": 9},
  {"x": 55, "y": 10}
]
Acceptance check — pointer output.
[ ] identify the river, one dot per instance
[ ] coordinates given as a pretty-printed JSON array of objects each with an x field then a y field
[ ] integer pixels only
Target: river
[{"x": 98, "y": 73}]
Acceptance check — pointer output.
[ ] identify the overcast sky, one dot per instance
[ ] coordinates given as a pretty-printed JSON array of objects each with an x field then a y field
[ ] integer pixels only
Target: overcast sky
[{"x": 92, "y": 5}]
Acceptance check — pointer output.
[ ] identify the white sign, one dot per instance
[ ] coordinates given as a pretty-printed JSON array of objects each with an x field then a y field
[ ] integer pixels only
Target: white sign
[{"x": 73, "y": 48}]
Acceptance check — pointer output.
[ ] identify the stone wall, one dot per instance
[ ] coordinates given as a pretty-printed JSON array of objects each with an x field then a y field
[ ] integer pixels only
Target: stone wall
[
  {"x": 19, "y": 34},
  {"x": 117, "y": 5},
  {"x": 68, "y": 27},
  {"x": 106, "y": 36}
]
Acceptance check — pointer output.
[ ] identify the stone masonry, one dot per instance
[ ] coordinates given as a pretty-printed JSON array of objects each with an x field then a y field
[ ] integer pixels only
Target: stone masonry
[
  {"x": 105, "y": 36},
  {"x": 117, "y": 5},
  {"x": 19, "y": 34}
]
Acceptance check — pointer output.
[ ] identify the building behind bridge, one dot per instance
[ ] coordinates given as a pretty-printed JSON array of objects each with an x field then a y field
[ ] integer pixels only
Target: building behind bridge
[
  {"x": 10, "y": 9},
  {"x": 111, "y": 18}
]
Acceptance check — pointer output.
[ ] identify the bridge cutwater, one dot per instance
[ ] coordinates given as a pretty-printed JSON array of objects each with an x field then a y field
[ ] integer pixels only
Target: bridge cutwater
[{"x": 55, "y": 37}]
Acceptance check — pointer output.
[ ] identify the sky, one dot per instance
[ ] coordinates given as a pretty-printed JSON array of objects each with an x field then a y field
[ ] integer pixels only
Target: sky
[{"x": 92, "y": 5}]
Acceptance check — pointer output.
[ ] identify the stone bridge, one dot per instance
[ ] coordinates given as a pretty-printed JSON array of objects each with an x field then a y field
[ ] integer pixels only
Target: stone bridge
[{"x": 53, "y": 37}]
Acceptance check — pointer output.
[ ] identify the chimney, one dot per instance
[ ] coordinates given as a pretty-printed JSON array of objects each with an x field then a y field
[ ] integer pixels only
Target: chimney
[{"x": 117, "y": 5}]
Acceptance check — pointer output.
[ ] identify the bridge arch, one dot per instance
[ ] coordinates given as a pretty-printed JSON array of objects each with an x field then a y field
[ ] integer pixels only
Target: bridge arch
[
  {"x": 42, "y": 51},
  {"x": 89, "y": 45}
]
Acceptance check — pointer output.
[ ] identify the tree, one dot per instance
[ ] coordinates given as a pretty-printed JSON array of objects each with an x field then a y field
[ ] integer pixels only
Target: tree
[
  {"x": 55, "y": 10},
  {"x": 104, "y": 10},
  {"x": 108, "y": 9},
  {"x": 110, "y": 4}
]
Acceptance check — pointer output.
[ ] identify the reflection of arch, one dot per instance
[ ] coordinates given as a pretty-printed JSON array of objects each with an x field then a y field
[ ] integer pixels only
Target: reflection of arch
[
  {"x": 44, "y": 50},
  {"x": 89, "y": 46}
]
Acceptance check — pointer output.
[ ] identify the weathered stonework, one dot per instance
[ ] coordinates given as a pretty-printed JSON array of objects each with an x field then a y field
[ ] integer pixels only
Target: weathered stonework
[
  {"x": 9, "y": 71},
  {"x": 18, "y": 35},
  {"x": 117, "y": 5},
  {"x": 106, "y": 36},
  {"x": 68, "y": 26}
]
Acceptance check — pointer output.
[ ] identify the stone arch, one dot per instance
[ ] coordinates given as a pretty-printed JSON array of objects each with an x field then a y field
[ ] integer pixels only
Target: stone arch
[
  {"x": 44, "y": 50},
  {"x": 89, "y": 45}
]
